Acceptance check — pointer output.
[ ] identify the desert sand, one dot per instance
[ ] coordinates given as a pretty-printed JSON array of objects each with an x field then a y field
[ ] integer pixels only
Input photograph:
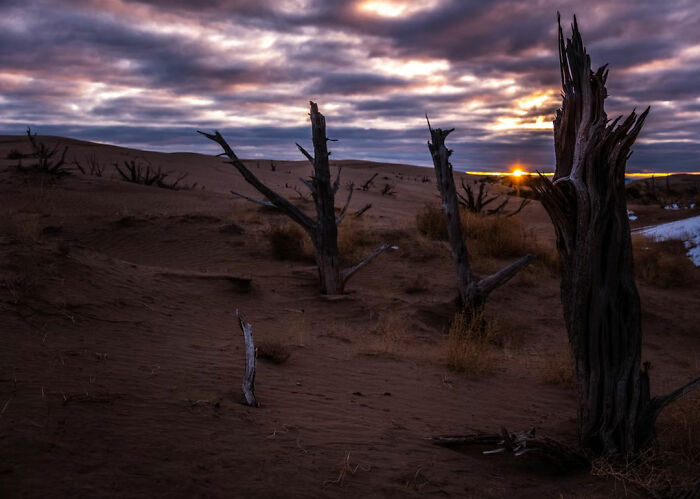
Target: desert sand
[{"x": 121, "y": 358}]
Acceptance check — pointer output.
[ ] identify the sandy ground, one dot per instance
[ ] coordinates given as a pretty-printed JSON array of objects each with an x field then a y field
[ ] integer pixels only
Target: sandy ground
[{"x": 121, "y": 359}]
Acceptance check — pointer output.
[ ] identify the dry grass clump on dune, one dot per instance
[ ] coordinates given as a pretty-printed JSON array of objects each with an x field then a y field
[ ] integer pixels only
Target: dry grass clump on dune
[
  {"x": 662, "y": 263},
  {"x": 289, "y": 242},
  {"x": 273, "y": 351},
  {"x": 387, "y": 337},
  {"x": 489, "y": 236},
  {"x": 469, "y": 344},
  {"x": 430, "y": 221},
  {"x": 557, "y": 369},
  {"x": 356, "y": 239}
]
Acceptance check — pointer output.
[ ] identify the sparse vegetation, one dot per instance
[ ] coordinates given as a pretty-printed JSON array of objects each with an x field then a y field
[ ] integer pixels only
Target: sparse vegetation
[
  {"x": 430, "y": 221},
  {"x": 289, "y": 242},
  {"x": 557, "y": 369},
  {"x": 92, "y": 166},
  {"x": 663, "y": 264},
  {"x": 273, "y": 351},
  {"x": 143, "y": 174},
  {"x": 49, "y": 160},
  {"x": 469, "y": 344}
]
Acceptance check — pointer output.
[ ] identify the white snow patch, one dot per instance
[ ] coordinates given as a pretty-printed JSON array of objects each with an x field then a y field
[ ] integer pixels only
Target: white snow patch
[{"x": 686, "y": 230}]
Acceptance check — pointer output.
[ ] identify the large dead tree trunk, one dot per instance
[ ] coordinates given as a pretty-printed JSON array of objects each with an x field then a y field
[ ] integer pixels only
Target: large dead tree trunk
[
  {"x": 324, "y": 230},
  {"x": 472, "y": 290},
  {"x": 586, "y": 203}
]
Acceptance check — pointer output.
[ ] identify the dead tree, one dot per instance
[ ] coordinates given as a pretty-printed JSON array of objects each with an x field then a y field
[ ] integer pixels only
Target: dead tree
[
  {"x": 477, "y": 203},
  {"x": 48, "y": 159},
  {"x": 324, "y": 230},
  {"x": 586, "y": 203},
  {"x": 473, "y": 291},
  {"x": 248, "y": 384}
]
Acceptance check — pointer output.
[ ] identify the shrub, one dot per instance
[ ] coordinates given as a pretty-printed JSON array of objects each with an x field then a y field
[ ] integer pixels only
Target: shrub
[
  {"x": 663, "y": 263},
  {"x": 431, "y": 222},
  {"x": 273, "y": 351},
  {"x": 354, "y": 239},
  {"x": 289, "y": 242},
  {"x": 502, "y": 237},
  {"x": 468, "y": 345},
  {"x": 557, "y": 370}
]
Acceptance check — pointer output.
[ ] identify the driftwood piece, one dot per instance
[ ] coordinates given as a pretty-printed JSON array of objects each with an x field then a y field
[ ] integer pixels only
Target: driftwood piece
[
  {"x": 362, "y": 210},
  {"x": 248, "y": 384},
  {"x": 525, "y": 443},
  {"x": 368, "y": 183},
  {"x": 324, "y": 229},
  {"x": 602, "y": 311},
  {"x": 473, "y": 291}
]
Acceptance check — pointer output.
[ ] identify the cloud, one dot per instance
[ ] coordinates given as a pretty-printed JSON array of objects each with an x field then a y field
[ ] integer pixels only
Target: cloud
[{"x": 148, "y": 73}]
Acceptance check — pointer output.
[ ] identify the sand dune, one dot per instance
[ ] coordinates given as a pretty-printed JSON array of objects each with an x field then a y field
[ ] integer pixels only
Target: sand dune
[{"x": 121, "y": 360}]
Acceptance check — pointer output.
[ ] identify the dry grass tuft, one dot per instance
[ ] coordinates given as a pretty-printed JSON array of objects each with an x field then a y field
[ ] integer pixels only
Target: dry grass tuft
[
  {"x": 430, "y": 221},
  {"x": 388, "y": 336},
  {"x": 489, "y": 236},
  {"x": 663, "y": 263},
  {"x": 273, "y": 351},
  {"x": 289, "y": 242},
  {"x": 557, "y": 370},
  {"x": 468, "y": 345},
  {"x": 669, "y": 468},
  {"x": 355, "y": 239}
]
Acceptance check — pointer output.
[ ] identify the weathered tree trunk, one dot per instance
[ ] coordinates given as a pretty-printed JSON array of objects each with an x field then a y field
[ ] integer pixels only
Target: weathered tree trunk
[
  {"x": 248, "y": 384},
  {"x": 326, "y": 234},
  {"x": 472, "y": 290},
  {"x": 586, "y": 203},
  {"x": 324, "y": 230}
]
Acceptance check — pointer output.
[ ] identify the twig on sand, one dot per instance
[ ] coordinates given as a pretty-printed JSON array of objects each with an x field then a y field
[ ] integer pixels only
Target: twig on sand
[{"x": 345, "y": 469}]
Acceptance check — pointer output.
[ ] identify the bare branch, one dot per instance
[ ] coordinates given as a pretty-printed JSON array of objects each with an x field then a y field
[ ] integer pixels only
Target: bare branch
[
  {"x": 253, "y": 200},
  {"x": 336, "y": 184},
  {"x": 283, "y": 204},
  {"x": 347, "y": 273},
  {"x": 306, "y": 153},
  {"x": 504, "y": 275},
  {"x": 347, "y": 202}
]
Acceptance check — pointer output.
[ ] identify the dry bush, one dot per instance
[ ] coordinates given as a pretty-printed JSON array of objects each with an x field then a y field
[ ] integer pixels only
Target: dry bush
[
  {"x": 501, "y": 237},
  {"x": 388, "y": 336},
  {"x": 663, "y": 263},
  {"x": 669, "y": 468},
  {"x": 430, "y": 221},
  {"x": 289, "y": 242},
  {"x": 558, "y": 370},
  {"x": 273, "y": 351},
  {"x": 468, "y": 345},
  {"x": 355, "y": 239}
]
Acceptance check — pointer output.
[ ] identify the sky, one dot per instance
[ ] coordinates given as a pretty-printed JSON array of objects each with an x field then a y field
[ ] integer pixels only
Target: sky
[{"x": 147, "y": 74}]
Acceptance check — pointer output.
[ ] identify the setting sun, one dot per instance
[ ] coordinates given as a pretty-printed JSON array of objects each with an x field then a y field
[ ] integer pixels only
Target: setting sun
[{"x": 517, "y": 172}]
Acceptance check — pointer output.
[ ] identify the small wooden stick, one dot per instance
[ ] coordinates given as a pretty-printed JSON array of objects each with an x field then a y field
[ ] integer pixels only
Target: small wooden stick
[{"x": 250, "y": 353}]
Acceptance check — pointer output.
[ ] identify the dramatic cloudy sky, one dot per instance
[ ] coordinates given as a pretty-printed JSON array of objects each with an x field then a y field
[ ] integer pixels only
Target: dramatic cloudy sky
[{"x": 148, "y": 73}]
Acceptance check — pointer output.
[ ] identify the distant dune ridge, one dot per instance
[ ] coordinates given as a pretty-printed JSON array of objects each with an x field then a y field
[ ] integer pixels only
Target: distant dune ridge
[{"x": 121, "y": 359}]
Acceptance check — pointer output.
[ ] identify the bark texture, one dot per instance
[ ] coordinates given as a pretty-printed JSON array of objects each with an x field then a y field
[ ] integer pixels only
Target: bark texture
[
  {"x": 248, "y": 384},
  {"x": 586, "y": 203},
  {"x": 472, "y": 290},
  {"x": 324, "y": 230}
]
